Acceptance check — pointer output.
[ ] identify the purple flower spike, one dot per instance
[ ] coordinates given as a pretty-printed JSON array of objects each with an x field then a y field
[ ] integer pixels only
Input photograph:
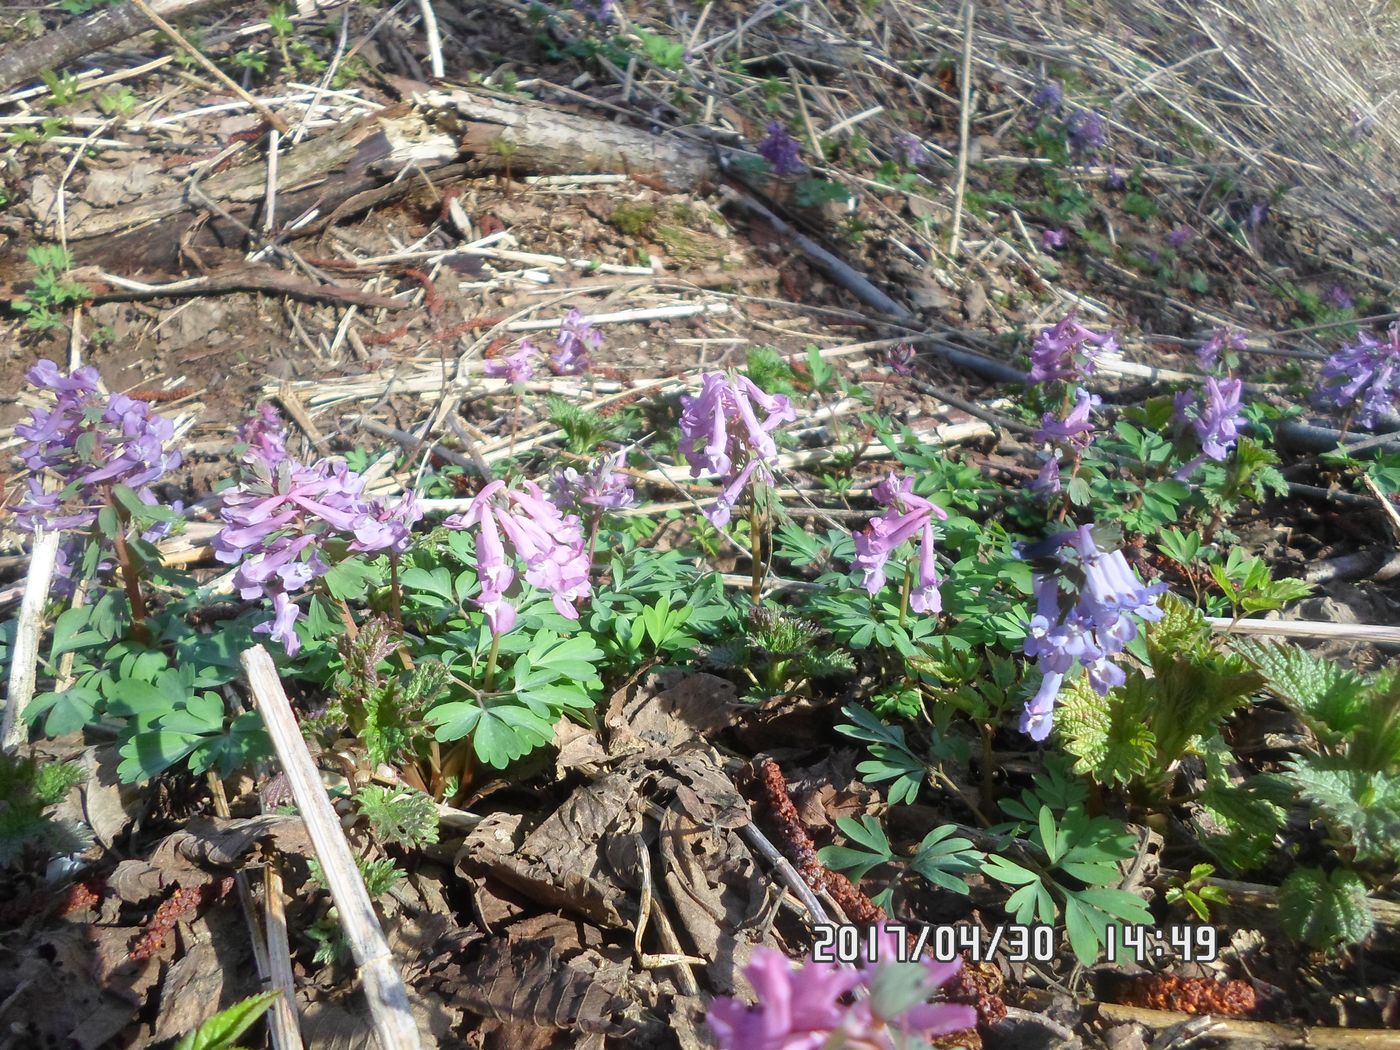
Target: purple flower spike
[
  {"x": 1087, "y": 132},
  {"x": 1179, "y": 236},
  {"x": 721, "y": 428},
  {"x": 279, "y": 517},
  {"x": 811, "y": 1007},
  {"x": 1076, "y": 429},
  {"x": 576, "y": 337},
  {"x": 1220, "y": 340},
  {"x": 908, "y": 150},
  {"x": 1097, "y": 626},
  {"x": 1053, "y": 240},
  {"x": 907, "y": 515},
  {"x": 781, "y": 150},
  {"x": 900, "y": 359},
  {"x": 1362, "y": 377},
  {"x": 550, "y": 543},
  {"x": 604, "y": 487},
  {"x": 88, "y": 443},
  {"x": 1049, "y": 97},
  {"x": 1067, "y": 351},
  {"x": 518, "y": 367}
]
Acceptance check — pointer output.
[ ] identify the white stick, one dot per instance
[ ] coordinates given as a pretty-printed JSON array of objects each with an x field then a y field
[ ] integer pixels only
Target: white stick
[
  {"x": 282, "y": 1023},
  {"x": 29, "y": 629},
  {"x": 384, "y": 989},
  {"x": 964, "y": 128},
  {"x": 655, "y": 313},
  {"x": 430, "y": 30},
  {"x": 1339, "y": 632}
]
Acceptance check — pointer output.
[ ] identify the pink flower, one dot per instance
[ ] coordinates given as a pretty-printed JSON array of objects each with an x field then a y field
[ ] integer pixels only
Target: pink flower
[
  {"x": 1066, "y": 351},
  {"x": 518, "y": 367},
  {"x": 721, "y": 427},
  {"x": 907, "y": 515},
  {"x": 551, "y": 544},
  {"x": 576, "y": 337}
]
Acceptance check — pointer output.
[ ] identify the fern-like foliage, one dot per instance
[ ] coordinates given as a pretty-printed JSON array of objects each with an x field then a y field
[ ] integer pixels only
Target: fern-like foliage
[
  {"x": 27, "y": 788},
  {"x": 402, "y": 816},
  {"x": 584, "y": 431},
  {"x": 1135, "y": 734},
  {"x": 780, "y": 651}
]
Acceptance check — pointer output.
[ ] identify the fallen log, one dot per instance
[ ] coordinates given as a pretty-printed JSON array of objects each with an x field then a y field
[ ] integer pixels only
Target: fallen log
[{"x": 68, "y": 43}]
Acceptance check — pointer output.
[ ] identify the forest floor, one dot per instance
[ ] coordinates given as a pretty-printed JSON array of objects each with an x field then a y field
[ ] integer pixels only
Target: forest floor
[{"x": 873, "y": 210}]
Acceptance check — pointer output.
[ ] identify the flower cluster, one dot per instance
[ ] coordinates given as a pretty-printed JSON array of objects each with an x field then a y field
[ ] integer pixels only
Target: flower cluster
[
  {"x": 900, "y": 358},
  {"x": 908, "y": 150},
  {"x": 1076, "y": 429},
  {"x": 1178, "y": 237},
  {"x": 1363, "y": 377},
  {"x": 91, "y": 443},
  {"x": 1095, "y": 626},
  {"x": 816, "y": 1005},
  {"x": 722, "y": 434},
  {"x": 604, "y": 487},
  {"x": 780, "y": 150},
  {"x": 279, "y": 517},
  {"x": 576, "y": 337},
  {"x": 518, "y": 367},
  {"x": 550, "y": 542},
  {"x": 1216, "y": 419},
  {"x": 905, "y": 517},
  {"x": 1220, "y": 340},
  {"x": 1049, "y": 97},
  {"x": 1087, "y": 132},
  {"x": 1067, "y": 351}
]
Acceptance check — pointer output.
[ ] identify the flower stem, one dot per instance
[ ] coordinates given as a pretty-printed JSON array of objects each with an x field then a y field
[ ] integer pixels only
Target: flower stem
[
  {"x": 904, "y": 592},
  {"x": 755, "y": 550},
  {"x": 130, "y": 580},
  {"x": 491, "y": 661},
  {"x": 395, "y": 597}
]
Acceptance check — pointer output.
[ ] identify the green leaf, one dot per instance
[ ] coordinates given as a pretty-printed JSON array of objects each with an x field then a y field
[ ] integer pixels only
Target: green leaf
[
  {"x": 222, "y": 1031},
  {"x": 1325, "y": 910},
  {"x": 1357, "y": 803},
  {"x": 66, "y": 712},
  {"x": 70, "y": 631}
]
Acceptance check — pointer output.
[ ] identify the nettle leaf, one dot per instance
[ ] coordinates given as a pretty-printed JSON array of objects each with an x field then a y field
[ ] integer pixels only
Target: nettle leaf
[
  {"x": 1325, "y": 910},
  {"x": 1321, "y": 690},
  {"x": 1108, "y": 735},
  {"x": 1356, "y": 803},
  {"x": 1251, "y": 814}
]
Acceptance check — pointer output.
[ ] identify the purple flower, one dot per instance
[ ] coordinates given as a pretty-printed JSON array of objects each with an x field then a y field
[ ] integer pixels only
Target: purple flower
[
  {"x": 1217, "y": 422},
  {"x": 720, "y": 428},
  {"x": 604, "y": 486},
  {"x": 1339, "y": 297},
  {"x": 1066, "y": 351},
  {"x": 900, "y": 358},
  {"x": 88, "y": 443},
  {"x": 1096, "y": 625},
  {"x": 279, "y": 517},
  {"x": 908, "y": 150},
  {"x": 1362, "y": 377},
  {"x": 1114, "y": 180},
  {"x": 811, "y": 1007},
  {"x": 550, "y": 543},
  {"x": 518, "y": 367},
  {"x": 1047, "y": 482},
  {"x": 599, "y": 12},
  {"x": 1221, "y": 339},
  {"x": 780, "y": 150},
  {"x": 1178, "y": 237},
  {"x": 576, "y": 337},
  {"x": 1258, "y": 213},
  {"x": 906, "y": 516},
  {"x": 1053, "y": 240},
  {"x": 1049, "y": 97},
  {"x": 1076, "y": 429},
  {"x": 1087, "y": 132}
]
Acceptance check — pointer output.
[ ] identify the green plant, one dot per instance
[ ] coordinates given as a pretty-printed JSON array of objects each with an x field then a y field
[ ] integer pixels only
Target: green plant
[
  {"x": 64, "y": 89},
  {"x": 778, "y": 651},
  {"x": 1136, "y": 733},
  {"x": 118, "y": 102},
  {"x": 27, "y": 789},
  {"x": 585, "y": 431},
  {"x": 940, "y": 858},
  {"x": 401, "y": 816},
  {"x": 1071, "y": 872},
  {"x": 1325, "y": 910},
  {"x": 1249, "y": 586},
  {"x": 222, "y": 1031},
  {"x": 51, "y": 292},
  {"x": 662, "y": 53},
  {"x": 1196, "y": 892}
]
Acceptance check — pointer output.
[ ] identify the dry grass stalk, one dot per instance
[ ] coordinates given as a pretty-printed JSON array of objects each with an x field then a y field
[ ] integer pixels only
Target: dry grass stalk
[
  {"x": 384, "y": 989},
  {"x": 30, "y": 627}
]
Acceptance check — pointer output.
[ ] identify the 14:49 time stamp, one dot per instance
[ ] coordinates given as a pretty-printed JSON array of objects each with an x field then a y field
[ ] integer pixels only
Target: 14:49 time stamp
[{"x": 1016, "y": 943}]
